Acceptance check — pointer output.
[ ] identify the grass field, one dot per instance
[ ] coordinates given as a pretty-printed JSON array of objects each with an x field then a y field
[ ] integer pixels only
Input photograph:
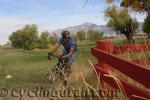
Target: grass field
[
  {"x": 134, "y": 55},
  {"x": 29, "y": 68}
]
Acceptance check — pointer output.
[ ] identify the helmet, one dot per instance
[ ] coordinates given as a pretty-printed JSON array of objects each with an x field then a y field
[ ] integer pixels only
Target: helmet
[{"x": 65, "y": 33}]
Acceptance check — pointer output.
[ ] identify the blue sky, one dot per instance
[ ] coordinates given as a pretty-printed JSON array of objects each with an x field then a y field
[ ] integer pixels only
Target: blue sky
[{"x": 49, "y": 14}]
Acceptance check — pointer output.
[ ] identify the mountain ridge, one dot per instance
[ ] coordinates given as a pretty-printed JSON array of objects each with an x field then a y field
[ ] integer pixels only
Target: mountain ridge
[{"x": 86, "y": 26}]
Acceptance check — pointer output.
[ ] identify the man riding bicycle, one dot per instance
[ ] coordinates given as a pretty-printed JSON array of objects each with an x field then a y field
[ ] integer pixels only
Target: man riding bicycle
[{"x": 70, "y": 49}]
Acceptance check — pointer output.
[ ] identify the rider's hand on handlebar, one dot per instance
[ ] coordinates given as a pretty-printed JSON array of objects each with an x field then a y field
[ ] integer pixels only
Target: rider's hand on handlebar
[{"x": 64, "y": 57}]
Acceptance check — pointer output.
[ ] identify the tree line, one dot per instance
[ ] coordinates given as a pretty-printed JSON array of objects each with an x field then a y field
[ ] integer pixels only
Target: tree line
[
  {"x": 90, "y": 35},
  {"x": 28, "y": 37}
]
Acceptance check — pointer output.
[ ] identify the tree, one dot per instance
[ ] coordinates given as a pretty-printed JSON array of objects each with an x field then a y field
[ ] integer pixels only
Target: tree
[
  {"x": 146, "y": 26},
  {"x": 52, "y": 40},
  {"x": 136, "y": 5},
  {"x": 120, "y": 20},
  {"x": 25, "y": 38},
  {"x": 94, "y": 35},
  {"x": 43, "y": 41},
  {"x": 16, "y": 40},
  {"x": 81, "y": 35}
]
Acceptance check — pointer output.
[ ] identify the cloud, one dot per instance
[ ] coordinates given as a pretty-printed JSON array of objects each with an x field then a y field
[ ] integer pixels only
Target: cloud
[
  {"x": 8, "y": 25},
  {"x": 48, "y": 14}
]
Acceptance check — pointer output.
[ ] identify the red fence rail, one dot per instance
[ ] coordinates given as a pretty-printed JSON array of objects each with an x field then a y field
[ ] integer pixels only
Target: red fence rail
[
  {"x": 107, "y": 61},
  {"x": 129, "y": 89}
]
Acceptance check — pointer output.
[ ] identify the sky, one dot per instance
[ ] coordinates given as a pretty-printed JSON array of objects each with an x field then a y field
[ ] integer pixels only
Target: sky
[{"x": 50, "y": 14}]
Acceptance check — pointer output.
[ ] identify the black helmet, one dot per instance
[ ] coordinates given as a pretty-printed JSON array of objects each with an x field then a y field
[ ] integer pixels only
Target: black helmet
[{"x": 65, "y": 33}]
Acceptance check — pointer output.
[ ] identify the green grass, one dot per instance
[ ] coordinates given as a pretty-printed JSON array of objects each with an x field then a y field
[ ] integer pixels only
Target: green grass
[
  {"x": 25, "y": 67},
  {"x": 29, "y": 68}
]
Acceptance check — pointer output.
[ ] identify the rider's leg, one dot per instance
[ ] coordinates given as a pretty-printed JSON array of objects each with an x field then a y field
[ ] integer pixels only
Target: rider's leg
[
  {"x": 68, "y": 70},
  {"x": 69, "y": 66}
]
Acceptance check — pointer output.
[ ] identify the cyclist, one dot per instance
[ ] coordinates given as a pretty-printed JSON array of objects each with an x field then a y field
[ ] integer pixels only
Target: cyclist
[{"x": 70, "y": 49}]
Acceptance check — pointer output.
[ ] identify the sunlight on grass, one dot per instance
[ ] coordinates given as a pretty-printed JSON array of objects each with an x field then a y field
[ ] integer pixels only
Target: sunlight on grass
[{"x": 28, "y": 68}]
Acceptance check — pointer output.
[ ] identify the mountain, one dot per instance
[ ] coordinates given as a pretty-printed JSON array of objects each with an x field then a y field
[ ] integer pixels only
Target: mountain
[
  {"x": 101, "y": 28},
  {"x": 85, "y": 27}
]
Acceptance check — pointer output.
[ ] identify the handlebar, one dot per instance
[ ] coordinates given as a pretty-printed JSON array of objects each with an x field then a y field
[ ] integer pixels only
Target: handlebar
[
  {"x": 60, "y": 59},
  {"x": 50, "y": 55}
]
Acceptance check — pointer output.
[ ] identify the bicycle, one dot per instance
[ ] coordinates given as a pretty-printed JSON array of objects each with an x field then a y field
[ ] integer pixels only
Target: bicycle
[{"x": 58, "y": 74}]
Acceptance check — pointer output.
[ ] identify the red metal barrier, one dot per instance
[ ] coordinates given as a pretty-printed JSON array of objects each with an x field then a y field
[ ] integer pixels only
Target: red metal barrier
[
  {"x": 108, "y": 47},
  {"x": 129, "y": 89},
  {"x": 134, "y": 71}
]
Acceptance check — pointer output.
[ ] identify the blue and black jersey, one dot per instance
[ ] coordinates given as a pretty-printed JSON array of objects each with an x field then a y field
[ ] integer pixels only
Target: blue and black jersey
[{"x": 69, "y": 44}]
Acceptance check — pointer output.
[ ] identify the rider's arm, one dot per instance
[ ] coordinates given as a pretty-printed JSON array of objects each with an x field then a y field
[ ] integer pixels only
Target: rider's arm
[
  {"x": 72, "y": 50},
  {"x": 70, "y": 53},
  {"x": 57, "y": 45},
  {"x": 55, "y": 48}
]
